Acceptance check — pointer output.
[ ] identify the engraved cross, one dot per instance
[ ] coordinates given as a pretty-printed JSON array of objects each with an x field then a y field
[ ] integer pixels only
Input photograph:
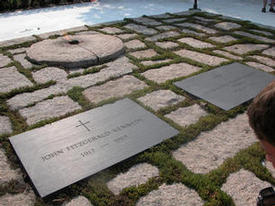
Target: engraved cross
[{"x": 83, "y": 124}]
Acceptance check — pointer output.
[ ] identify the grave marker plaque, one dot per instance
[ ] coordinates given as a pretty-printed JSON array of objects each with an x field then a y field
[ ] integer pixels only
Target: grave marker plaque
[
  {"x": 227, "y": 86},
  {"x": 74, "y": 148}
]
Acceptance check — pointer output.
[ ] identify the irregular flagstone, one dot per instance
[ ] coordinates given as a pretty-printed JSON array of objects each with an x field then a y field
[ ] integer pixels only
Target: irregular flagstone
[
  {"x": 253, "y": 36},
  {"x": 204, "y": 19},
  {"x": 21, "y": 58},
  {"x": 6, "y": 173},
  {"x": 262, "y": 32},
  {"x": 150, "y": 62},
  {"x": 49, "y": 73},
  {"x": 161, "y": 16},
  {"x": 50, "y": 108},
  {"x": 188, "y": 31},
  {"x": 23, "y": 199},
  {"x": 135, "y": 44},
  {"x": 5, "y": 125},
  {"x": 163, "y": 35},
  {"x": 176, "y": 194},
  {"x": 245, "y": 48},
  {"x": 116, "y": 68},
  {"x": 223, "y": 39},
  {"x": 116, "y": 88},
  {"x": 147, "y": 21},
  {"x": 227, "y": 54},
  {"x": 227, "y": 25},
  {"x": 9, "y": 75},
  {"x": 174, "y": 20},
  {"x": 160, "y": 99},
  {"x": 270, "y": 52},
  {"x": 260, "y": 66},
  {"x": 172, "y": 71},
  {"x": 137, "y": 175},
  {"x": 264, "y": 60},
  {"x": 111, "y": 30},
  {"x": 126, "y": 36},
  {"x": 78, "y": 201},
  {"x": 198, "y": 27},
  {"x": 195, "y": 43},
  {"x": 244, "y": 187},
  {"x": 4, "y": 60},
  {"x": 210, "y": 149},
  {"x": 141, "y": 29},
  {"x": 200, "y": 57},
  {"x": 144, "y": 53},
  {"x": 166, "y": 28},
  {"x": 186, "y": 116},
  {"x": 16, "y": 41},
  {"x": 18, "y": 51},
  {"x": 167, "y": 44}
]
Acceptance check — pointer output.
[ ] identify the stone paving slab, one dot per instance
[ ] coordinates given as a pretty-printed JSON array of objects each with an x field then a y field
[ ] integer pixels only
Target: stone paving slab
[
  {"x": 162, "y": 16},
  {"x": 49, "y": 73},
  {"x": 223, "y": 39},
  {"x": 135, "y": 44},
  {"x": 144, "y": 54},
  {"x": 9, "y": 75},
  {"x": 111, "y": 30},
  {"x": 200, "y": 57},
  {"x": 18, "y": 51},
  {"x": 186, "y": 116},
  {"x": 161, "y": 99},
  {"x": 245, "y": 48},
  {"x": 188, "y": 31},
  {"x": 174, "y": 20},
  {"x": 244, "y": 187},
  {"x": 227, "y": 25},
  {"x": 137, "y": 175},
  {"x": 210, "y": 149},
  {"x": 260, "y": 66},
  {"x": 227, "y": 54},
  {"x": 126, "y": 36},
  {"x": 270, "y": 52},
  {"x": 262, "y": 32},
  {"x": 16, "y": 41},
  {"x": 78, "y": 201},
  {"x": 174, "y": 195},
  {"x": 166, "y": 28},
  {"x": 167, "y": 44},
  {"x": 163, "y": 35},
  {"x": 116, "y": 88},
  {"x": 5, "y": 125},
  {"x": 21, "y": 58},
  {"x": 62, "y": 32},
  {"x": 47, "y": 109},
  {"x": 22, "y": 199},
  {"x": 195, "y": 43},
  {"x": 141, "y": 29},
  {"x": 264, "y": 60},
  {"x": 253, "y": 36},
  {"x": 204, "y": 19},
  {"x": 270, "y": 168},
  {"x": 198, "y": 27},
  {"x": 148, "y": 63},
  {"x": 147, "y": 21},
  {"x": 170, "y": 72},
  {"x": 4, "y": 60}
]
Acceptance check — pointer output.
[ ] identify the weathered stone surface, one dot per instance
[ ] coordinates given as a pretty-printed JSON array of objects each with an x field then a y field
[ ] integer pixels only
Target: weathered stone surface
[
  {"x": 116, "y": 68},
  {"x": 160, "y": 99},
  {"x": 135, "y": 44},
  {"x": 186, "y": 116},
  {"x": 176, "y": 194},
  {"x": 161, "y": 16},
  {"x": 260, "y": 66},
  {"x": 195, "y": 43},
  {"x": 137, "y": 175},
  {"x": 163, "y": 35},
  {"x": 17, "y": 41},
  {"x": 198, "y": 27},
  {"x": 244, "y": 187},
  {"x": 200, "y": 57},
  {"x": 167, "y": 44},
  {"x": 21, "y": 58},
  {"x": 148, "y": 63},
  {"x": 18, "y": 51},
  {"x": 5, "y": 125},
  {"x": 227, "y": 25},
  {"x": 116, "y": 88},
  {"x": 141, "y": 29},
  {"x": 91, "y": 50},
  {"x": 227, "y": 54},
  {"x": 126, "y": 36},
  {"x": 253, "y": 36},
  {"x": 245, "y": 48},
  {"x": 174, "y": 20},
  {"x": 144, "y": 53},
  {"x": 270, "y": 52},
  {"x": 49, "y": 73},
  {"x": 51, "y": 108},
  {"x": 78, "y": 201},
  {"x": 172, "y": 71},
  {"x": 264, "y": 60},
  {"x": 147, "y": 21},
  {"x": 76, "y": 70},
  {"x": 204, "y": 19},
  {"x": 9, "y": 75},
  {"x": 262, "y": 32},
  {"x": 188, "y": 31},
  {"x": 166, "y": 28},
  {"x": 210, "y": 149},
  {"x": 111, "y": 30},
  {"x": 270, "y": 168},
  {"x": 6, "y": 173},
  {"x": 23, "y": 199},
  {"x": 223, "y": 39},
  {"x": 4, "y": 60}
]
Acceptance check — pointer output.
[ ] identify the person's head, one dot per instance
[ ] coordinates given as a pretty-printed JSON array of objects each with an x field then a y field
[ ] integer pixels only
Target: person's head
[{"x": 261, "y": 113}]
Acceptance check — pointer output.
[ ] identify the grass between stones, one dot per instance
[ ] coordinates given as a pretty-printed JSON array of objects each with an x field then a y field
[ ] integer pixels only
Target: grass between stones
[{"x": 208, "y": 186}]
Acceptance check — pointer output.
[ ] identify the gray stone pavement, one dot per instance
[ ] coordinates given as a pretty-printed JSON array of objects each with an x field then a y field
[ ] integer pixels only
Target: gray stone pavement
[{"x": 160, "y": 49}]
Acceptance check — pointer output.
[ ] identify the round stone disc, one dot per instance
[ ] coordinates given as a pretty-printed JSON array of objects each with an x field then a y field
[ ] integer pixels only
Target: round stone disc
[{"x": 91, "y": 49}]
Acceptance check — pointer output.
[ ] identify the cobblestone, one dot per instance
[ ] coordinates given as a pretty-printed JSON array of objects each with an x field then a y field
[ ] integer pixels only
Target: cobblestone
[
  {"x": 111, "y": 30},
  {"x": 260, "y": 66},
  {"x": 4, "y": 60},
  {"x": 166, "y": 28},
  {"x": 21, "y": 58},
  {"x": 167, "y": 44},
  {"x": 18, "y": 51},
  {"x": 264, "y": 60},
  {"x": 147, "y": 21},
  {"x": 148, "y": 63},
  {"x": 227, "y": 25},
  {"x": 174, "y": 20},
  {"x": 144, "y": 54},
  {"x": 78, "y": 201},
  {"x": 135, "y": 44},
  {"x": 126, "y": 36},
  {"x": 223, "y": 39},
  {"x": 245, "y": 48},
  {"x": 262, "y": 32},
  {"x": 253, "y": 36},
  {"x": 270, "y": 52},
  {"x": 16, "y": 41},
  {"x": 196, "y": 43},
  {"x": 162, "y": 16},
  {"x": 49, "y": 73},
  {"x": 198, "y": 27},
  {"x": 141, "y": 29},
  {"x": 23, "y": 199},
  {"x": 163, "y": 35},
  {"x": 188, "y": 31},
  {"x": 5, "y": 125},
  {"x": 227, "y": 54}
]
